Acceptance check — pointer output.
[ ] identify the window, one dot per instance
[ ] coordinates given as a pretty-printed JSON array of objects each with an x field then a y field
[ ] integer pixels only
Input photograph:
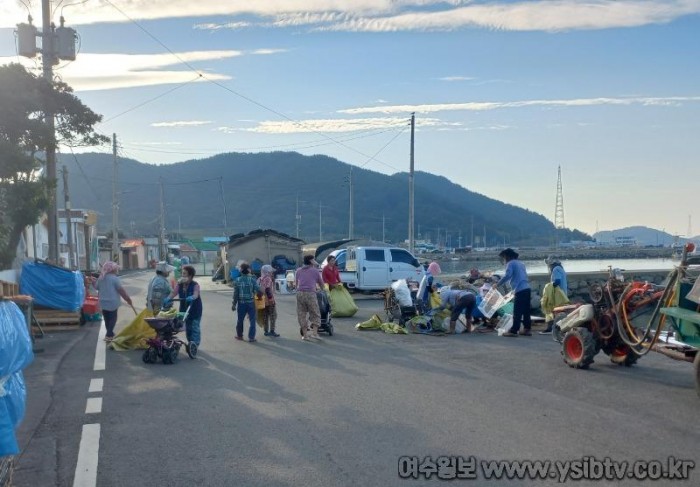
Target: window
[
  {"x": 398, "y": 255},
  {"x": 374, "y": 255},
  {"x": 340, "y": 260}
]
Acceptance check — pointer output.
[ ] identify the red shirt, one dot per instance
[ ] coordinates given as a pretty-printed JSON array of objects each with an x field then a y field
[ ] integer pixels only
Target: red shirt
[{"x": 331, "y": 275}]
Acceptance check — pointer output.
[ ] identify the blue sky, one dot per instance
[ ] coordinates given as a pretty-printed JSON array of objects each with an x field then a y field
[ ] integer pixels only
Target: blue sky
[{"x": 504, "y": 91}]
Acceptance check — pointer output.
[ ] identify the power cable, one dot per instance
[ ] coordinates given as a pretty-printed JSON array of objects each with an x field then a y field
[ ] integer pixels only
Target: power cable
[{"x": 234, "y": 92}]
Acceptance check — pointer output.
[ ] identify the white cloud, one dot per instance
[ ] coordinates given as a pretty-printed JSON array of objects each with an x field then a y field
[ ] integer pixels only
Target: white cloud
[
  {"x": 456, "y": 78},
  {"x": 265, "y": 52},
  {"x": 542, "y": 15},
  {"x": 380, "y": 15},
  {"x": 334, "y": 125},
  {"x": 183, "y": 123},
  {"x": 109, "y": 71},
  {"x": 485, "y": 106}
]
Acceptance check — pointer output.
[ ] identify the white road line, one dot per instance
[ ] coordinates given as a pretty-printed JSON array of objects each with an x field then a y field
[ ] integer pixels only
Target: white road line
[
  {"x": 94, "y": 405},
  {"x": 96, "y": 385},
  {"x": 86, "y": 468},
  {"x": 100, "y": 351}
]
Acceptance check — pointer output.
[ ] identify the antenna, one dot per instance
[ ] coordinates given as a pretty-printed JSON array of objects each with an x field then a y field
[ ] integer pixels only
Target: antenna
[{"x": 559, "y": 208}]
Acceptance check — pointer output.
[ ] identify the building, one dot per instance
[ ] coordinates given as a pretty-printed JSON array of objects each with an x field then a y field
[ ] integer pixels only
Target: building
[
  {"x": 261, "y": 246},
  {"x": 133, "y": 254}
]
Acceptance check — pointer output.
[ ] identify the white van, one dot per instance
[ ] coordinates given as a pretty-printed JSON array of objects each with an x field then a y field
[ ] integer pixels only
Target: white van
[{"x": 375, "y": 268}]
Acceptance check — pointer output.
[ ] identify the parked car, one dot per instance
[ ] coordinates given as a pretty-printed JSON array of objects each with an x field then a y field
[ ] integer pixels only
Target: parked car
[{"x": 375, "y": 268}]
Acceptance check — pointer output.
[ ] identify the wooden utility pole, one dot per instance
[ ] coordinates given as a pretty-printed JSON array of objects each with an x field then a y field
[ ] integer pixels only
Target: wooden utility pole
[
  {"x": 69, "y": 223},
  {"x": 223, "y": 204},
  {"x": 116, "y": 257},
  {"x": 351, "y": 218},
  {"x": 47, "y": 58},
  {"x": 161, "y": 244},
  {"x": 411, "y": 239}
]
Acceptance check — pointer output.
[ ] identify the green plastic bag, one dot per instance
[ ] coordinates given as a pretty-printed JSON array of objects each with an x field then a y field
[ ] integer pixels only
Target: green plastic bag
[
  {"x": 342, "y": 304},
  {"x": 374, "y": 323}
]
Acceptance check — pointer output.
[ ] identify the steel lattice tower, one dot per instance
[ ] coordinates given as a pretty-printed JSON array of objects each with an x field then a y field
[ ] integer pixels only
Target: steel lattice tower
[{"x": 559, "y": 208}]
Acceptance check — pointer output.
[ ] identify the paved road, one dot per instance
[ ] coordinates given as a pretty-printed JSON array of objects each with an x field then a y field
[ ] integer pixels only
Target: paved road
[{"x": 283, "y": 412}]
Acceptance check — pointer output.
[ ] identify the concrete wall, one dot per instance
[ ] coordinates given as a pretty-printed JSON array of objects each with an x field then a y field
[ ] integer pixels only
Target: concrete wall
[{"x": 579, "y": 282}]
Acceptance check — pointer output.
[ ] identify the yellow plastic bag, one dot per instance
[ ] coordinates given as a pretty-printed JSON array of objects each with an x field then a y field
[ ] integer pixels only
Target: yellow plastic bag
[
  {"x": 261, "y": 302},
  {"x": 134, "y": 336}
]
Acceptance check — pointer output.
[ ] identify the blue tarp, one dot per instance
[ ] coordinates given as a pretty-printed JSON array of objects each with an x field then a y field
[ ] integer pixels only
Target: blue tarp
[
  {"x": 15, "y": 354},
  {"x": 53, "y": 287}
]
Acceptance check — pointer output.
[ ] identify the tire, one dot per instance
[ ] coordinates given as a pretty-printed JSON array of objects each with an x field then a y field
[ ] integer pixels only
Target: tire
[
  {"x": 578, "y": 348},
  {"x": 696, "y": 363},
  {"x": 191, "y": 349},
  {"x": 329, "y": 329},
  {"x": 167, "y": 357},
  {"x": 174, "y": 354},
  {"x": 153, "y": 354},
  {"x": 146, "y": 357},
  {"x": 623, "y": 355}
]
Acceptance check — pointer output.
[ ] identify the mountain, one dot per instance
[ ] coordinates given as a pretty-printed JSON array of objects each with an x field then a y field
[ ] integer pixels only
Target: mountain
[
  {"x": 269, "y": 190},
  {"x": 642, "y": 236}
]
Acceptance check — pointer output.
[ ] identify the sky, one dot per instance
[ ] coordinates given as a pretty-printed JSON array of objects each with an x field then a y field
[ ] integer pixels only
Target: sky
[{"x": 504, "y": 92}]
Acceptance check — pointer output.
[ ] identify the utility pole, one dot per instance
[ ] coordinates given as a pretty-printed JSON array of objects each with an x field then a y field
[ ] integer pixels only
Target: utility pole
[
  {"x": 383, "y": 228},
  {"x": 411, "y": 240},
  {"x": 298, "y": 216},
  {"x": 459, "y": 240},
  {"x": 115, "y": 204},
  {"x": 320, "y": 223},
  {"x": 351, "y": 217},
  {"x": 223, "y": 204},
  {"x": 472, "y": 231},
  {"x": 161, "y": 244},
  {"x": 47, "y": 60},
  {"x": 69, "y": 223}
]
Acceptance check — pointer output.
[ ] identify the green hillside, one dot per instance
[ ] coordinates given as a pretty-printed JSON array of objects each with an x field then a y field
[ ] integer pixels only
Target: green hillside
[{"x": 263, "y": 190}]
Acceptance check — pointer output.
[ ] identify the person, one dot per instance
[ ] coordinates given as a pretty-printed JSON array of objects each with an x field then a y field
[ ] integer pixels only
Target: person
[
  {"x": 425, "y": 289},
  {"x": 188, "y": 292},
  {"x": 557, "y": 274},
  {"x": 267, "y": 285},
  {"x": 245, "y": 287},
  {"x": 458, "y": 301},
  {"x": 516, "y": 276},
  {"x": 331, "y": 274},
  {"x": 111, "y": 292},
  {"x": 159, "y": 288},
  {"x": 552, "y": 299},
  {"x": 307, "y": 278}
]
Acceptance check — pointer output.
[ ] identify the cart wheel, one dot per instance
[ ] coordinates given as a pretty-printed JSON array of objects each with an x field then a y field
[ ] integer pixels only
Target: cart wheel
[
  {"x": 146, "y": 357},
  {"x": 191, "y": 350},
  {"x": 153, "y": 355},
  {"x": 578, "y": 348},
  {"x": 174, "y": 354},
  {"x": 623, "y": 355},
  {"x": 697, "y": 372},
  {"x": 167, "y": 357},
  {"x": 329, "y": 328}
]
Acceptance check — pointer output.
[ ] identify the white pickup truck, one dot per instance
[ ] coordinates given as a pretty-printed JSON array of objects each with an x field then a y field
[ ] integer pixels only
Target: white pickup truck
[{"x": 375, "y": 268}]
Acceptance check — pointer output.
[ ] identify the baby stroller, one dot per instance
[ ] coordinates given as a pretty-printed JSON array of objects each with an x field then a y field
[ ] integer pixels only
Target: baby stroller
[
  {"x": 324, "y": 307},
  {"x": 166, "y": 344}
]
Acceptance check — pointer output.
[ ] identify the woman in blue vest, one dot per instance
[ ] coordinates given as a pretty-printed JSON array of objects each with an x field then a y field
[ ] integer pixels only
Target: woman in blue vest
[{"x": 188, "y": 292}]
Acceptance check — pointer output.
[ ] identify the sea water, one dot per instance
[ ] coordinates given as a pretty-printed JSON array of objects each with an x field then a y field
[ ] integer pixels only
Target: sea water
[{"x": 539, "y": 267}]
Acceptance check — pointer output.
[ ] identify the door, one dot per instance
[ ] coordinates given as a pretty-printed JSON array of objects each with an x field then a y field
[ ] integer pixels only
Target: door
[
  {"x": 372, "y": 269},
  {"x": 403, "y": 265}
]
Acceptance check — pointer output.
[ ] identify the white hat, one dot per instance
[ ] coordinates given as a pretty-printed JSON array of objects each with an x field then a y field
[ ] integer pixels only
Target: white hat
[{"x": 164, "y": 267}]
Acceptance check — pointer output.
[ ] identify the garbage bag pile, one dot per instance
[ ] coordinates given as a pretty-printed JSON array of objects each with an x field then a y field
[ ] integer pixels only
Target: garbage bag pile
[{"x": 15, "y": 354}]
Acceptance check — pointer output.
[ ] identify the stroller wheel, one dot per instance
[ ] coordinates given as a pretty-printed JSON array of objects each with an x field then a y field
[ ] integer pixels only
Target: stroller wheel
[
  {"x": 191, "y": 350},
  {"x": 146, "y": 357},
  {"x": 329, "y": 329},
  {"x": 174, "y": 353},
  {"x": 167, "y": 357}
]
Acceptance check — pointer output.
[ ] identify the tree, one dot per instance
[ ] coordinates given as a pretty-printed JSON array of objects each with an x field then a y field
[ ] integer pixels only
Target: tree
[{"x": 24, "y": 192}]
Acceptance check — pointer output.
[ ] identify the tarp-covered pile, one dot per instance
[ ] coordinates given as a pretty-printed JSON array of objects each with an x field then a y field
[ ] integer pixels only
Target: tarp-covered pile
[
  {"x": 53, "y": 287},
  {"x": 15, "y": 355}
]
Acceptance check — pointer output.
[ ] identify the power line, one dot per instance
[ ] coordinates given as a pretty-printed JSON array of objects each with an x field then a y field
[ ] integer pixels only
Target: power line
[{"x": 234, "y": 92}]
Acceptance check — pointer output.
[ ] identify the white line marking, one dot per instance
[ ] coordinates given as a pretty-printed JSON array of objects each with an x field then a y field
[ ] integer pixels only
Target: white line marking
[
  {"x": 100, "y": 351},
  {"x": 86, "y": 468},
  {"x": 94, "y": 405},
  {"x": 96, "y": 385}
]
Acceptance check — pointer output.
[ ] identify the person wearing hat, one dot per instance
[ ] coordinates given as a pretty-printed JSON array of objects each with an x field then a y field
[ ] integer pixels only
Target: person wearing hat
[
  {"x": 516, "y": 276},
  {"x": 558, "y": 279},
  {"x": 458, "y": 300},
  {"x": 159, "y": 288}
]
